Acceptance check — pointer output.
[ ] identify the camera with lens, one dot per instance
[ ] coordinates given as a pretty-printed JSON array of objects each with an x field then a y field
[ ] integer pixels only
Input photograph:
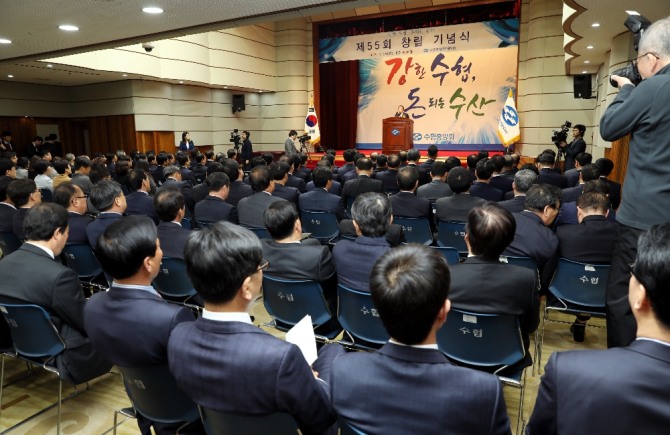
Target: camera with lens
[
  {"x": 636, "y": 24},
  {"x": 304, "y": 138},
  {"x": 235, "y": 138},
  {"x": 561, "y": 135}
]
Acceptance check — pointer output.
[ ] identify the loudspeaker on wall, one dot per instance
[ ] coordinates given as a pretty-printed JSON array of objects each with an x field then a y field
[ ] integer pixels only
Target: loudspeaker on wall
[
  {"x": 238, "y": 103},
  {"x": 582, "y": 86}
]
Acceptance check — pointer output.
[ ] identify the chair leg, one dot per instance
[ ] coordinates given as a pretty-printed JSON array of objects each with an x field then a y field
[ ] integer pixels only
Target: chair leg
[
  {"x": 60, "y": 397},
  {"x": 116, "y": 416},
  {"x": 2, "y": 379}
]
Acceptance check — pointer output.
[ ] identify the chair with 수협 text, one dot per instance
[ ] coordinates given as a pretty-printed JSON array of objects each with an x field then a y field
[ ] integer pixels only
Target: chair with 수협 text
[
  {"x": 80, "y": 258},
  {"x": 452, "y": 234},
  {"x": 490, "y": 342},
  {"x": 449, "y": 254},
  {"x": 360, "y": 319},
  {"x": 322, "y": 225},
  {"x": 222, "y": 423},
  {"x": 173, "y": 282},
  {"x": 417, "y": 230}
]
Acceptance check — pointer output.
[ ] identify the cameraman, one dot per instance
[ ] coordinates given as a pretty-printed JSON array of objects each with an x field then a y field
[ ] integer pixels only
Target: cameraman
[
  {"x": 247, "y": 149},
  {"x": 575, "y": 147},
  {"x": 644, "y": 112},
  {"x": 289, "y": 145}
]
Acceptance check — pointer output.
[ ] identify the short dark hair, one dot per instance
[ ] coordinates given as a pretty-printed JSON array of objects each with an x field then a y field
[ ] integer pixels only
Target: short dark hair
[
  {"x": 19, "y": 191},
  {"x": 584, "y": 158},
  {"x": 402, "y": 155},
  {"x": 81, "y": 162},
  {"x": 439, "y": 169},
  {"x": 279, "y": 219},
  {"x": 125, "y": 244},
  {"x": 98, "y": 174},
  {"x": 594, "y": 201},
  {"x": 413, "y": 155},
  {"x": 349, "y": 155},
  {"x": 590, "y": 172},
  {"x": 499, "y": 162},
  {"x": 260, "y": 178},
  {"x": 453, "y": 162},
  {"x": 5, "y": 181},
  {"x": 215, "y": 167},
  {"x": 103, "y": 194},
  {"x": 5, "y": 165},
  {"x": 546, "y": 159},
  {"x": 231, "y": 153},
  {"x": 135, "y": 179},
  {"x": 485, "y": 169},
  {"x": 63, "y": 194},
  {"x": 232, "y": 169},
  {"x": 432, "y": 151},
  {"x": 43, "y": 220},
  {"x": 530, "y": 167},
  {"x": 472, "y": 160},
  {"x": 41, "y": 166},
  {"x": 320, "y": 176},
  {"x": 409, "y": 285},
  {"x": 217, "y": 181},
  {"x": 394, "y": 161},
  {"x": 222, "y": 246},
  {"x": 523, "y": 179},
  {"x": 459, "y": 180},
  {"x": 364, "y": 164},
  {"x": 279, "y": 170},
  {"x": 61, "y": 166},
  {"x": 372, "y": 212},
  {"x": 651, "y": 269},
  {"x": 168, "y": 202},
  {"x": 490, "y": 229},
  {"x": 407, "y": 178},
  {"x": 598, "y": 186},
  {"x": 580, "y": 127},
  {"x": 292, "y": 133},
  {"x": 540, "y": 196},
  {"x": 606, "y": 166}
]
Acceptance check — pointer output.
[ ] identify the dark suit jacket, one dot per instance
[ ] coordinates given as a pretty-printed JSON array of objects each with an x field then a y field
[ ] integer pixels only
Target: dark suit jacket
[
  {"x": 77, "y": 224},
  {"x": 30, "y": 275},
  {"x": 285, "y": 192},
  {"x": 592, "y": 241},
  {"x": 140, "y": 203},
  {"x": 185, "y": 188},
  {"x": 307, "y": 260},
  {"x": 250, "y": 210},
  {"x": 95, "y": 229},
  {"x": 572, "y": 175},
  {"x": 297, "y": 183},
  {"x": 335, "y": 187},
  {"x": 17, "y": 221},
  {"x": 568, "y": 215},
  {"x": 237, "y": 367},
  {"x": 7, "y": 212},
  {"x": 548, "y": 176},
  {"x": 395, "y": 236},
  {"x": 131, "y": 327},
  {"x": 572, "y": 150},
  {"x": 434, "y": 190},
  {"x": 570, "y": 194},
  {"x": 615, "y": 193},
  {"x": 502, "y": 182},
  {"x": 199, "y": 173},
  {"x": 172, "y": 237},
  {"x": 406, "y": 204},
  {"x": 200, "y": 192},
  {"x": 514, "y": 205},
  {"x": 398, "y": 390},
  {"x": 424, "y": 175},
  {"x": 348, "y": 167},
  {"x": 617, "y": 384},
  {"x": 389, "y": 179},
  {"x": 456, "y": 207},
  {"x": 348, "y": 176},
  {"x": 492, "y": 287},
  {"x": 213, "y": 209},
  {"x": 320, "y": 200},
  {"x": 357, "y": 186},
  {"x": 487, "y": 192},
  {"x": 354, "y": 260},
  {"x": 238, "y": 190}
]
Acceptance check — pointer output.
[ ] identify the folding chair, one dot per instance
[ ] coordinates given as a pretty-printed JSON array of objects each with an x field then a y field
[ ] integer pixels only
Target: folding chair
[
  {"x": 223, "y": 423},
  {"x": 154, "y": 394},
  {"x": 490, "y": 342},
  {"x": 526, "y": 262},
  {"x": 451, "y": 234},
  {"x": 417, "y": 230},
  {"x": 36, "y": 341},
  {"x": 288, "y": 301},
  {"x": 9, "y": 243},
  {"x": 577, "y": 288},
  {"x": 450, "y": 254},
  {"x": 322, "y": 225},
  {"x": 186, "y": 223},
  {"x": 173, "y": 282},
  {"x": 80, "y": 258},
  {"x": 261, "y": 233},
  {"x": 360, "y": 319}
]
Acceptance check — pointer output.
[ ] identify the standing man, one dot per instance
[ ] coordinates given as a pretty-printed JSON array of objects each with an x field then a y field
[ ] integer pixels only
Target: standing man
[
  {"x": 643, "y": 112},
  {"x": 289, "y": 145},
  {"x": 247, "y": 149},
  {"x": 575, "y": 147},
  {"x": 6, "y": 141}
]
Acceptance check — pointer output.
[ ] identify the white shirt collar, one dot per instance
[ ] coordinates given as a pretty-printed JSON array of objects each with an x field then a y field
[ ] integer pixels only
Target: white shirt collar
[
  {"x": 418, "y": 346},
  {"x": 146, "y": 288},
  {"x": 226, "y": 317},
  {"x": 43, "y": 248},
  {"x": 8, "y": 205}
]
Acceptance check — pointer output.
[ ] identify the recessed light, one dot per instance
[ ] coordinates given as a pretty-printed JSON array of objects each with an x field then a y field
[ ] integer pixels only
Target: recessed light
[
  {"x": 595, "y": 25},
  {"x": 49, "y": 65},
  {"x": 583, "y": 72},
  {"x": 68, "y": 27},
  {"x": 10, "y": 76},
  {"x": 589, "y": 47},
  {"x": 587, "y": 61},
  {"x": 225, "y": 87},
  {"x": 124, "y": 75},
  {"x": 260, "y": 92},
  {"x": 181, "y": 82},
  {"x": 5, "y": 41},
  {"x": 152, "y": 10},
  {"x": 632, "y": 12}
]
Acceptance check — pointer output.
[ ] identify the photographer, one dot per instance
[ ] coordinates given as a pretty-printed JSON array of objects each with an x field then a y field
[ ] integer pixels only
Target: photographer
[
  {"x": 247, "y": 149},
  {"x": 289, "y": 145},
  {"x": 575, "y": 147},
  {"x": 642, "y": 111}
]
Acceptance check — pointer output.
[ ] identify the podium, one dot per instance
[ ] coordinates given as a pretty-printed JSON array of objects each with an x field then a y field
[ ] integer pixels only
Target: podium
[{"x": 397, "y": 135}]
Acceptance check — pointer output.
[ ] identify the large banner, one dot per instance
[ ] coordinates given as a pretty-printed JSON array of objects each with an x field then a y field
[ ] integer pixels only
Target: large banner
[{"x": 453, "y": 81}]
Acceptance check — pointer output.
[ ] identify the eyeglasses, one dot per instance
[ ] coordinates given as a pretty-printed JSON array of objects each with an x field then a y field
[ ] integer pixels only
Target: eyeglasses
[
  {"x": 81, "y": 197},
  {"x": 264, "y": 265},
  {"x": 643, "y": 55}
]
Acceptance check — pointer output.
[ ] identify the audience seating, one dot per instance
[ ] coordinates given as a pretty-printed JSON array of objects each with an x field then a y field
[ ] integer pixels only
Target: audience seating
[
  {"x": 526, "y": 262},
  {"x": 80, "y": 258},
  {"x": 186, "y": 223},
  {"x": 47, "y": 195},
  {"x": 322, "y": 225},
  {"x": 223, "y": 423},
  {"x": 417, "y": 230},
  {"x": 489, "y": 342},
  {"x": 154, "y": 394},
  {"x": 261, "y": 233},
  {"x": 173, "y": 282},
  {"x": 451, "y": 234},
  {"x": 360, "y": 319},
  {"x": 36, "y": 341},
  {"x": 449, "y": 254},
  {"x": 9, "y": 243}
]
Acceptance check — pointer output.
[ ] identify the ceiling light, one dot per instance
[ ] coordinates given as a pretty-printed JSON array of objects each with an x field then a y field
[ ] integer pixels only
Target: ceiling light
[
  {"x": 583, "y": 72},
  {"x": 10, "y": 76},
  {"x": 589, "y": 47},
  {"x": 68, "y": 27},
  {"x": 225, "y": 87},
  {"x": 595, "y": 25},
  {"x": 181, "y": 82},
  {"x": 587, "y": 61},
  {"x": 632, "y": 12},
  {"x": 124, "y": 75},
  {"x": 152, "y": 10},
  {"x": 5, "y": 41},
  {"x": 49, "y": 65}
]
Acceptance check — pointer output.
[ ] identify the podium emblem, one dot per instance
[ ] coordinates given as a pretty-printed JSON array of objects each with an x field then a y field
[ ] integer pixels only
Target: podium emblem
[{"x": 395, "y": 132}]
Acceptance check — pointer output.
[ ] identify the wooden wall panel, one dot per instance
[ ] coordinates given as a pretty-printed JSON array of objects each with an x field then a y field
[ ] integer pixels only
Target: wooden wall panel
[
  {"x": 155, "y": 141},
  {"x": 619, "y": 155}
]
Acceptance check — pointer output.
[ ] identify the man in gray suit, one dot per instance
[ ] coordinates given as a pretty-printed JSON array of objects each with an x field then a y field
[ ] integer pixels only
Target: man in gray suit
[
  {"x": 289, "y": 144},
  {"x": 250, "y": 209},
  {"x": 397, "y": 389}
]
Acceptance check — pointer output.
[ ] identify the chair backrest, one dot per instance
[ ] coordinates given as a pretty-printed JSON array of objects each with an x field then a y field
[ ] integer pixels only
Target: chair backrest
[
  {"x": 417, "y": 230},
  {"x": 322, "y": 225},
  {"x": 484, "y": 340},
  {"x": 450, "y": 254},
  {"x": 290, "y": 300},
  {"x": 452, "y": 234},
  {"x": 172, "y": 279},
  {"x": 580, "y": 283},
  {"x": 261, "y": 233},
  {"x": 201, "y": 224},
  {"x": 154, "y": 394},
  {"x": 47, "y": 195},
  {"x": 80, "y": 258},
  {"x": 349, "y": 204},
  {"x": 9, "y": 243},
  {"x": 186, "y": 223},
  {"x": 33, "y": 333},
  {"x": 223, "y": 423},
  {"x": 358, "y": 316},
  {"x": 526, "y": 262}
]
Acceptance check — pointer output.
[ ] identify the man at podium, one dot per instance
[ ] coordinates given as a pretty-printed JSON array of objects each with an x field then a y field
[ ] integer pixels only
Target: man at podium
[{"x": 401, "y": 112}]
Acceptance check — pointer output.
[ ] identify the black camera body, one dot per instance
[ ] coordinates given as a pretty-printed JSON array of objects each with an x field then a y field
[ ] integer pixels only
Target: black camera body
[
  {"x": 630, "y": 72},
  {"x": 235, "y": 138},
  {"x": 637, "y": 24},
  {"x": 304, "y": 138},
  {"x": 561, "y": 135}
]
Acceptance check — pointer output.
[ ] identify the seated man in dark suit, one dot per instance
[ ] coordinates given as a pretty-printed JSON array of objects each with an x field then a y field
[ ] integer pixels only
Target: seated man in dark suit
[
  {"x": 335, "y": 186},
  {"x": 568, "y": 212},
  {"x": 348, "y": 155},
  {"x": 31, "y": 276},
  {"x": 389, "y": 178},
  {"x": 201, "y": 191},
  {"x": 71, "y": 197},
  {"x": 456, "y": 207},
  {"x": 485, "y": 285},
  {"x": 405, "y": 203},
  {"x": 533, "y": 237},
  {"x": 545, "y": 163},
  {"x": 7, "y": 209},
  {"x": 572, "y": 175},
  {"x": 238, "y": 188},
  {"x": 320, "y": 199},
  {"x": 139, "y": 202},
  {"x": 250, "y": 209},
  {"x": 587, "y": 173},
  {"x": 362, "y": 184},
  {"x": 414, "y": 157},
  {"x": 502, "y": 180},
  {"x": 170, "y": 208},
  {"x": 606, "y": 167},
  {"x": 294, "y": 181},
  {"x": 523, "y": 179},
  {"x": 591, "y": 241},
  {"x": 214, "y": 208},
  {"x": 397, "y": 389},
  {"x": 372, "y": 215},
  {"x": 635, "y": 397},
  {"x": 227, "y": 364},
  {"x": 130, "y": 324},
  {"x": 24, "y": 194},
  {"x": 481, "y": 187},
  {"x": 438, "y": 187},
  {"x": 173, "y": 178},
  {"x": 106, "y": 196},
  {"x": 279, "y": 172}
]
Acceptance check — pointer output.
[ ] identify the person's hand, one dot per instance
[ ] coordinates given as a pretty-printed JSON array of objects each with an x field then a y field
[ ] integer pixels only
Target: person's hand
[
  {"x": 562, "y": 144},
  {"x": 621, "y": 81}
]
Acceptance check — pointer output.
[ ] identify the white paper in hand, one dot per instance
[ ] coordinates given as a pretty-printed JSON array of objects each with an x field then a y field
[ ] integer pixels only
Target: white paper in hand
[{"x": 302, "y": 335}]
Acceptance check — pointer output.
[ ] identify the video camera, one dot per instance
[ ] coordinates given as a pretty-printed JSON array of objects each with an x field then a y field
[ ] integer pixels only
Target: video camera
[
  {"x": 636, "y": 24},
  {"x": 561, "y": 136},
  {"x": 235, "y": 138},
  {"x": 304, "y": 138}
]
